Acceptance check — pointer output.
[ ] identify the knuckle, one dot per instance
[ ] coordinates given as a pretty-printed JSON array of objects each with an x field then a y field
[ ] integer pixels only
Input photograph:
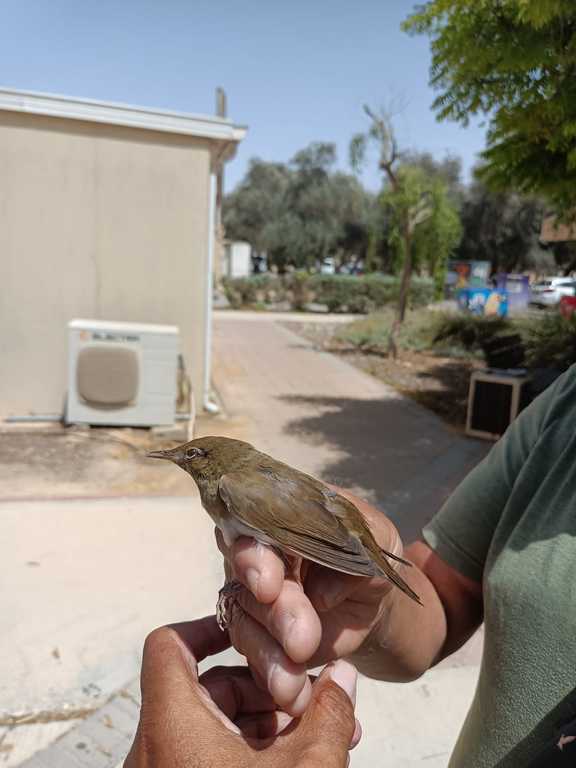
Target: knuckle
[{"x": 157, "y": 640}]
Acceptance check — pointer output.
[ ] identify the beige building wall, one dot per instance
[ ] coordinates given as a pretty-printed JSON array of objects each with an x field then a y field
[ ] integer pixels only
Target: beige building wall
[{"x": 96, "y": 221}]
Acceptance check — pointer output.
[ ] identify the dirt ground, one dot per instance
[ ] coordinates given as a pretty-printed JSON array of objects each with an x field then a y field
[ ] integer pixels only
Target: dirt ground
[
  {"x": 436, "y": 382},
  {"x": 53, "y": 461}
]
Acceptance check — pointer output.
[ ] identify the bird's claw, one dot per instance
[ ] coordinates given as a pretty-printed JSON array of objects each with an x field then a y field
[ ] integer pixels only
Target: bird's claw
[{"x": 226, "y": 604}]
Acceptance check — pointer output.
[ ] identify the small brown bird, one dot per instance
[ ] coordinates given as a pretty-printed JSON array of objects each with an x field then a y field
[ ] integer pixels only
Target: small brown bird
[{"x": 248, "y": 493}]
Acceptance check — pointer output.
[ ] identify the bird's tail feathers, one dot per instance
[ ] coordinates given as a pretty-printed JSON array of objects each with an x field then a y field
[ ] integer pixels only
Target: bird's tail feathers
[
  {"x": 395, "y": 557},
  {"x": 395, "y": 578}
]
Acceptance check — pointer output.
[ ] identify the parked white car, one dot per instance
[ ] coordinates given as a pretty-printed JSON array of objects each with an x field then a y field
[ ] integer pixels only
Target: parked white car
[{"x": 548, "y": 291}]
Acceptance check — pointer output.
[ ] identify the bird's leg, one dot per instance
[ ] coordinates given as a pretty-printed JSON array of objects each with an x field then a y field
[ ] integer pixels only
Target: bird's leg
[
  {"x": 226, "y": 604},
  {"x": 227, "y": 598},
  {"x": 295, "y": 568}
]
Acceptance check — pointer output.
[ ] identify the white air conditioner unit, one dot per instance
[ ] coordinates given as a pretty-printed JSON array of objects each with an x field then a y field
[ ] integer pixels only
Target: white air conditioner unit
[{"x": 121, "y": 374}]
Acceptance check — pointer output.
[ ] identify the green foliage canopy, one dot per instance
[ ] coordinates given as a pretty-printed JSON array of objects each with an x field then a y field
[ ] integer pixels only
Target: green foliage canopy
[
  {"x": 503, "y": 228},
  {"x": 301, "y": 212},
  {"x": 515, "y": 62},
  {"x": 435, "y": 237}
]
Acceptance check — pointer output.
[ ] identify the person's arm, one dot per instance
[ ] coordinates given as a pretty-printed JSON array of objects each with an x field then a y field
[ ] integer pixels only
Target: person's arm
[
  {"x": 224, "y": 719},
  {"x": 408, "y": 639}
]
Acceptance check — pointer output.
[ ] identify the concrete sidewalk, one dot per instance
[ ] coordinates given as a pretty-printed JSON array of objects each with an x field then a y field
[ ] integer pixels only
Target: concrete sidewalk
[
  {"x": 86, "y": 580},
  {"x": 83, "y": 582}
]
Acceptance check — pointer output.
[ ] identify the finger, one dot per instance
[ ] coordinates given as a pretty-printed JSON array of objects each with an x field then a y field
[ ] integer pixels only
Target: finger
[
  {"x": 271, "y": 724},
  {"x": 202, "y": 637},
  {"x": 328, "y": 726},
  {"x": 290, "y": 619},
  {"x": 169, "y": 676},
  {"x": 261, "y": 724},
  {"x": 234, "y": 691},
  {"x": 327, "y": 589},
  {"x": 357, "y": 735},
  {"x": 286, "y": 681},
  {"x": 258, "y": 567},
  {"x": 171, "y": 656},
  {"x": 173, "y": 700}
]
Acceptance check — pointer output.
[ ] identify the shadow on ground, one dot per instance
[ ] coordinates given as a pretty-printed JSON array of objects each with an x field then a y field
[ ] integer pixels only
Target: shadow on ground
[
  {"x": 397, "y": 454},
  {"x": 450, "y": 401}
]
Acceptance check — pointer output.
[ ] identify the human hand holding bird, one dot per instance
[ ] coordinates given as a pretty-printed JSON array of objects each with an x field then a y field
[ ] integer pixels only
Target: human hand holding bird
[{"x": 281, "y": 627}]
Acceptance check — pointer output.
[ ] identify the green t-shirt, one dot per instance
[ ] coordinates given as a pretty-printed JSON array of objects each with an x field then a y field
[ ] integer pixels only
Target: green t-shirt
[{"x": 511, "y": 525}]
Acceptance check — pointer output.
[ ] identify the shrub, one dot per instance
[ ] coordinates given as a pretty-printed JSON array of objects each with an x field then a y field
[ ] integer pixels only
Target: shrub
[
  {"x": 236, "y": 291},
  {"x": 299, "y": 291},
  {"x": 422, "y": 291},
  {"x": 339, "y": 293},
  {"x": 468, "y": 331},
  {"x": 547, "y": 341},
  {"x": 382, "y": 289},
  {"x": 371, "y": 334},
  {"x": 268, "y": 288},
  {"x": 550, "y": 341}
]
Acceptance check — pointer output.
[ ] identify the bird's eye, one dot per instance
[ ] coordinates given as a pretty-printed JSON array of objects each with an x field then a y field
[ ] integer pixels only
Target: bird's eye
[{"x": 192, "y": 453}]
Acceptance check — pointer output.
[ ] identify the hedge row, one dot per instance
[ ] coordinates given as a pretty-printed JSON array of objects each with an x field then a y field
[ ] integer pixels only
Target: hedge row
[{"x": 339, "y": 293}]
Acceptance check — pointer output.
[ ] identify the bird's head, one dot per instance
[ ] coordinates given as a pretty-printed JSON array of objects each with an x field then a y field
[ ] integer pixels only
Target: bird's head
[{"x": 206, "y": 457}]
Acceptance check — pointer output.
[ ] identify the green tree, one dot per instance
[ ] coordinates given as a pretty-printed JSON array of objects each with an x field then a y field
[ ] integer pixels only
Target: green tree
[
  {"x": 515, "y": 62},
  {"x": 423, "y": 225},
  {"x": 436, "y": 238},
  {"x": 503, "y": 228},
  {"x": 257, "y": 203},
  {"x": 448, "y": 171},
  {"x": 301, "y": 212},
  {"x": 382, "y": 253}
]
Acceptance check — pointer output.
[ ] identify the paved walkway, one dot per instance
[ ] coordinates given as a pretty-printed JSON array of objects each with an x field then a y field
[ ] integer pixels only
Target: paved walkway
[{"x": 110, "y": 570}]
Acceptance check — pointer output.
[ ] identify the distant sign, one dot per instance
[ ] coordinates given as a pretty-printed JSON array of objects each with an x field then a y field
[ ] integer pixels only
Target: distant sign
[
  {"x": 483, "y": 301},
  {"x": 467, "y": 274}
]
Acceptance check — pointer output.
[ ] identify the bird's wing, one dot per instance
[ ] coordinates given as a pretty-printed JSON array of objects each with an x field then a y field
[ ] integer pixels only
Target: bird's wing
[{"x": 268, "y": 503}]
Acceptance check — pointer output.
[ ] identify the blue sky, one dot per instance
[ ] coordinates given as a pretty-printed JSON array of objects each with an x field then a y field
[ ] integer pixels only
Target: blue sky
[{"x": 294, "y": 72}]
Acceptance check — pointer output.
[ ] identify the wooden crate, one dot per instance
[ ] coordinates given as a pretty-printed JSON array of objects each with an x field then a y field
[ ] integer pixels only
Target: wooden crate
[{"x": 494, "y": 401}]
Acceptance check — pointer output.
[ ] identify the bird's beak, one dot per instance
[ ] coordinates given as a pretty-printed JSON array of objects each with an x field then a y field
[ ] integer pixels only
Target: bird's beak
[{"x": 159, "y": 455}]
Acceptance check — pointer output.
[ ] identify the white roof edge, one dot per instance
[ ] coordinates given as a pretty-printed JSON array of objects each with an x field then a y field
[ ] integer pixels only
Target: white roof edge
[{"x": 50, "y": 105}]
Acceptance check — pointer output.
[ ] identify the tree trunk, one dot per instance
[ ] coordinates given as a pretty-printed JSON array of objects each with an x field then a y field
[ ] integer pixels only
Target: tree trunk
[
  {"x": 406, "y": 275},
  {"x": 403, "y": 295}
]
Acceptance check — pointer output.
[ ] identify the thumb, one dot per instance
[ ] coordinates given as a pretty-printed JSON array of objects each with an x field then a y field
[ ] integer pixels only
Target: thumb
[{"x": 328, "y": 725}]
